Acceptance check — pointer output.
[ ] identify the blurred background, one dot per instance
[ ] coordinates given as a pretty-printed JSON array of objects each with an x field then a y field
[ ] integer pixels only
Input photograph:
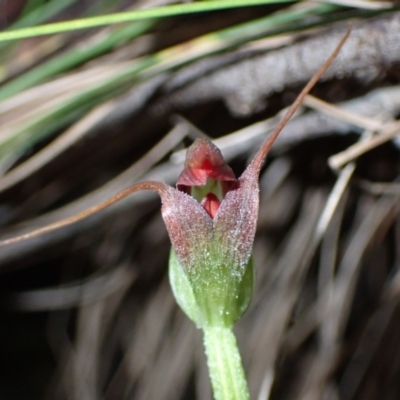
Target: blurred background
[{"x": 86, "y": 311}]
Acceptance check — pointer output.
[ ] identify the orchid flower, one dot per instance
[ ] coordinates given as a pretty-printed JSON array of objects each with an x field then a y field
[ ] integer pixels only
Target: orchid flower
[{"x": 211, "y": 219}]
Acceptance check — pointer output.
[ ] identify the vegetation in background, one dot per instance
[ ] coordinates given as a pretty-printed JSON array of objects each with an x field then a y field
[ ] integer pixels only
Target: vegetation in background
[{"x": 86, "y": 112}]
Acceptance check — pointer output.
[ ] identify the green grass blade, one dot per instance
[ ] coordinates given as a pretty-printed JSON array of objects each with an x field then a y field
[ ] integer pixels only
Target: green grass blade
[{"x": 167, "y": 11}]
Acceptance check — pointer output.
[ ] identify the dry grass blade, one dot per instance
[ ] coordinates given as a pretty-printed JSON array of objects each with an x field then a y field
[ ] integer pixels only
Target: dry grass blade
[
  {"x": 376, "y": 220},
  {"x": 281, "y": 296},
  {"x": 343, "y": 115},
  {"x": 92, "y": 291},
  {"x": 366, "y": 350},
  {"x": 64, "y": 141},
  {"x": 385, "y": 134}
]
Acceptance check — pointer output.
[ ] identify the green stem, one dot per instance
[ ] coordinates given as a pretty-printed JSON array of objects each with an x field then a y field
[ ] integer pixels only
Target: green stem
[{"x": 224, "y": 363}]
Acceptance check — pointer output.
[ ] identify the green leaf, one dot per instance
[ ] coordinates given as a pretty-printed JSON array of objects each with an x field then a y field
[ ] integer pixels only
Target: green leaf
[{"x": 182, "y": 289}]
